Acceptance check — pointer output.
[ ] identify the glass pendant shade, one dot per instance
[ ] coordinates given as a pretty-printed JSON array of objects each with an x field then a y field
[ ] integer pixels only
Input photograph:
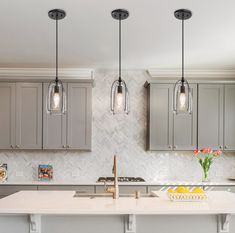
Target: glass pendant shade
[
  {"x": 119, "y": 98},
  {"x": 182, "y": 98},
  {"x": 56, "y": 101}
]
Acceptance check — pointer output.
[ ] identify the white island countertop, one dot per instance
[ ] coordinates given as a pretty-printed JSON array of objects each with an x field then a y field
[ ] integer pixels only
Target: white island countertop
[{"x": 63, "y": 202}]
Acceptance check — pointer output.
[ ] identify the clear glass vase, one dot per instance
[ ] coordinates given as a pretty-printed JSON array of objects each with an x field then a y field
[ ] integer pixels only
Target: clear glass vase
[{"x": 205, "y": 175}]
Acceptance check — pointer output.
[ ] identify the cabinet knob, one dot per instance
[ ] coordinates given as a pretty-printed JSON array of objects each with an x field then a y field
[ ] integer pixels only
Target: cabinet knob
[
  {"x": 68, "y": 146},
  {"x": 174, "y": 147},
  {"x": 220, "y": 147},
  {"x": 64, "y": 146},
  {"x": 17, "y": 146},
  {"x": 12, "y": 146},
  {"x": 169, "y": 147},
  {"x": 225, "y": 147}
]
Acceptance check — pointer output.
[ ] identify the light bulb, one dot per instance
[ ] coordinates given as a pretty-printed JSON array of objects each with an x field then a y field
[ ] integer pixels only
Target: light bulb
[
  {"x": 56, "y": 100},
  {"x": 119, "y": 101},
  {"x": 182, "y": 101}
]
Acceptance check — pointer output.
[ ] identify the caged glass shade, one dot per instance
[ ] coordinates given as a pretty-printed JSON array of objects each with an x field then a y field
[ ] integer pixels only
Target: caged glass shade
[
  {"x": 56, "y": 100},
  {"x": 119, "y": 97},
  {"x": 182, "y": 98}
]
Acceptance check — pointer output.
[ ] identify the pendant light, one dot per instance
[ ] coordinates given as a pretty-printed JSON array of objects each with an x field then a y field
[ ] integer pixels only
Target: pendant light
[
  {"x": 182, "y": 103},
  {"x": 119, "y": 92},
  {"x": 56, "y": 99}
]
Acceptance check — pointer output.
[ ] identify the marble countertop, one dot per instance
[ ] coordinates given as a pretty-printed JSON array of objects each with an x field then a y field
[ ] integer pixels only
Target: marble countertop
[
  {"x": 153, "y": 183},
  {"x": 63, "y": 202}
]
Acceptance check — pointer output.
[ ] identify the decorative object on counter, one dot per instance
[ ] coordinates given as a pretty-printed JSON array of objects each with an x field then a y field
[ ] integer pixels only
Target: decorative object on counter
[
  {"x": 184, "y": 194},
  {"x": 45, "y": 172},
  {"x": 56, "y": 99},
  {"x": 3, "y": 172},
  {"x": 120, "y": 179},
  {"x": 119, "y": 92},
  {"x": 206, "y": 157},
  {"x": 182, "y": 103}
]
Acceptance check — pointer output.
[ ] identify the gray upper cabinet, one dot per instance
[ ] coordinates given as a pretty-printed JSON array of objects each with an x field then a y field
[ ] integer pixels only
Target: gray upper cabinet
[
  {"x": 21, "y": 115},
  {"x": 79, "y": 116},
  {"x": 73, "y": 129},
  {"x": 7, "y": 115},
  {"x": 54, "y": 126},
  {"x": 29, "y": 116},
  {"x": 25, "y": 123},
  {"x": 210, "y": 116},
  {"x": 166, "y": 130},
  {"x": 229, "y": 117},
  {"x": 160, "y": 117},
  {"x": 185, "y": 127}
]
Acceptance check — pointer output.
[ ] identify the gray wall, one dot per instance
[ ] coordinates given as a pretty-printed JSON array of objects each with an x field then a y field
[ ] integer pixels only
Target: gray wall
[{"x": 123, "y": 135}]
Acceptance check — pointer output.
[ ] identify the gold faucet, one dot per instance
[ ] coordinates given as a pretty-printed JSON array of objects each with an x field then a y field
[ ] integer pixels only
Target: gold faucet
[{"x": 115, "y": 189}]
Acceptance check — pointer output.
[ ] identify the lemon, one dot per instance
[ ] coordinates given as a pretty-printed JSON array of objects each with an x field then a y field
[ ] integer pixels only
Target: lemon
[
  {"x": 182, "y": 189},
  {"x": 198, "y": 190},
  {"x": 171, "y": 191}
]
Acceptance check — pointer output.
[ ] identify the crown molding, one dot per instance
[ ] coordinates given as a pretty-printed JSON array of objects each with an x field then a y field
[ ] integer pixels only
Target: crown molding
[
  {"x": 192, "y": 74},
  {"x": 46, "y": 73}
]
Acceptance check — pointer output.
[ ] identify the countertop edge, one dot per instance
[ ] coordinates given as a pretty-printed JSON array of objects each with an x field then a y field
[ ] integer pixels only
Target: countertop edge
[{"x": 160, "y": 183}]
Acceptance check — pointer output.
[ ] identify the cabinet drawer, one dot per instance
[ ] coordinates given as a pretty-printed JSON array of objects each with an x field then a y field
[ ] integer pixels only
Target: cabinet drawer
[
  {"x": 8, "y": 189},
  {"x": 124, "y": 189},
  {"x": 220, "y": 188},
  {"x": 133, "y": 189},
  {"x": 82, "y": 188},
  {"x": 156, "y": 188}
]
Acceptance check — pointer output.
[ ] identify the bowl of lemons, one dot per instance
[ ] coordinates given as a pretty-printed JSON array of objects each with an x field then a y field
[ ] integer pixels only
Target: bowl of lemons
[{"x": 185, "y": 194}]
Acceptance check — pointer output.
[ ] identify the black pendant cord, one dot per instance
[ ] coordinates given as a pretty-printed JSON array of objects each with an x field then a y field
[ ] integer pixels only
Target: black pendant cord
[
  {"x": 182, "y": 50},
  {"x": 120, "y": 51},
  {"x": 56, "y": 79}
]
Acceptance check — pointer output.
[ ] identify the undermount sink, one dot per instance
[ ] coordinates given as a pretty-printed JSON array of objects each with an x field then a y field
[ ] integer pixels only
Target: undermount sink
[{"x": 100, "y": 195}]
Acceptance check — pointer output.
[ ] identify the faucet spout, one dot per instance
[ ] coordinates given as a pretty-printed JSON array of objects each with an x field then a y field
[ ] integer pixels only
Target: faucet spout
[{"x": 114, "y": 190}]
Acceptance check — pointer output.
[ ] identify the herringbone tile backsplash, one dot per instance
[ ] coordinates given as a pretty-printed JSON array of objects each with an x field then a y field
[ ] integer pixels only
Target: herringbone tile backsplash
[{"x": 124, "y": 135}]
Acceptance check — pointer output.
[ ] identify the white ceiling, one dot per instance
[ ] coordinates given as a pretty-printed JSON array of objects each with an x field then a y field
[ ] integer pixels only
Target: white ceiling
[{"x": 88, "y": 35}]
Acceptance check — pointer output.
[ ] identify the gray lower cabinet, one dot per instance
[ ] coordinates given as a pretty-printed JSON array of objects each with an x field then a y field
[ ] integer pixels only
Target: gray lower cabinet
[
  {"x": 210, "y": 116},
  {"x": 81, "y": 188},
  {"x": 21, "y": 115},
  {"x": 166, "y": 130},
  {"x": 54, "y": 126},
  {"x": 229, "y": 117},
  {"x": 29, "y": 116},
  {"x": 6, "y": 190},
  {"x": 73, "y": 129},
  {"x": 7, "y": 115},
  {"x": 125, "y": 189}
]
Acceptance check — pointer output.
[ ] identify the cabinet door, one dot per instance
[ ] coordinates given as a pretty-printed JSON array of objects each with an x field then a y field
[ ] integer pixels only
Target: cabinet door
[
  {"x": 29, "y": 116},
  {"x": 80, "y": 188},
  {"x": 210, "y": 116},
  {"x": 229, "y": 117},
  {"x": 185, "y": 127},
  {"x": 54, "y": 126},
  {"x": 160, "y": 116},
  {"x": 7, "y": 115},
  {"x": 79, "y": 116}
]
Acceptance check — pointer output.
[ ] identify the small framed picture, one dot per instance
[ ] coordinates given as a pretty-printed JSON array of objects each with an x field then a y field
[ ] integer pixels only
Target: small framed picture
[
  {"x": 45, "y": 172},
  {"x": 3, "y": 172}
]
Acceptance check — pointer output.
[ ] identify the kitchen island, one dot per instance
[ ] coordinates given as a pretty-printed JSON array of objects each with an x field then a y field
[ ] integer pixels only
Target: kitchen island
[{"x": 60, "y": 212}]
